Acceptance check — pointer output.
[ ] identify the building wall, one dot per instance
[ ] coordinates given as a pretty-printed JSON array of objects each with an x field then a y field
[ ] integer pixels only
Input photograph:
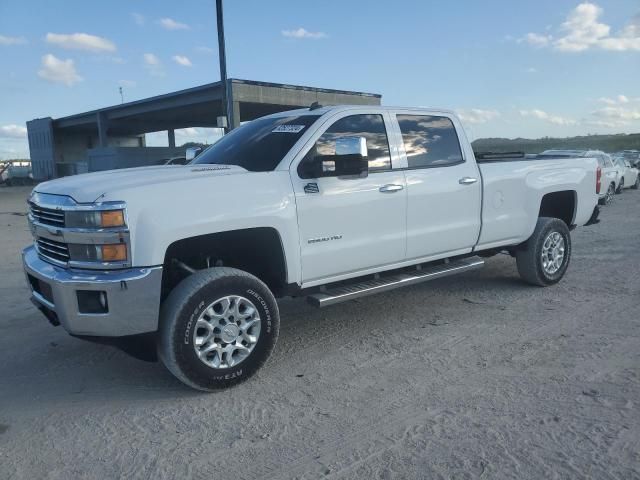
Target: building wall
[
  {"x": 109, "y": 158},
  {"x": 72, "y": 149}
]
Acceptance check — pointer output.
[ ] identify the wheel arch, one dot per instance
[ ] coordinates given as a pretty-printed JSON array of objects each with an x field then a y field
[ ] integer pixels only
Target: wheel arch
[
  {"x": 258, "y": 251},
  {"x": 561, "y": 204}
]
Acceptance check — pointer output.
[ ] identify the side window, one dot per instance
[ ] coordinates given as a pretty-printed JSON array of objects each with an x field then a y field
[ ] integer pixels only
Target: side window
[
  {"x": 370, "y": 127},
  {"x": 429, "y": 141}
]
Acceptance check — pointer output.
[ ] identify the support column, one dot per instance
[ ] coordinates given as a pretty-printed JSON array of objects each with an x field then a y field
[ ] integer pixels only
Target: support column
[
  {"x": 171, "y": 133},
  {"x": 234, "y": 115},
  {"x": 102, "y": 129}
]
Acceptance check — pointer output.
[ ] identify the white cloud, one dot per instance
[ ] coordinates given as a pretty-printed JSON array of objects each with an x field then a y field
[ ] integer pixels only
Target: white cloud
[
  {"x": 138, "y": 18},
  {"x": 618, "y": 113},
  {"x": 171, "y": 24},
  {"x": 127, "y": 83},
  {"x": 302, "y": 33},
  {"x": 607, "y": 123},
  {"x": 477, "y": 115},
  {"x": 153, "y": 64},
  {"x": 582, "y": 31},
  {"x": 56, "y": 70},
  {"x": 13, "y": 131},
  {"x": 536, "y": 40},
  {"x": 151, "y": 59},
  {"x": 620, "y": 99},
  {"x": 81, "y": 41},
  {"x": 6, "y": 41},
  {"x": 627, "y": 39},
  {"x": 189, "y": 132},
  {"x": 182, "y": 60},
  {"x": 547, "y": 117},
  {"x": 532, "y": 70}
]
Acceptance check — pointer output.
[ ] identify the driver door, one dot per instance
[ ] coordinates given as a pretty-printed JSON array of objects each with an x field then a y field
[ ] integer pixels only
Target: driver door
[{"x": 348, "y": 226}]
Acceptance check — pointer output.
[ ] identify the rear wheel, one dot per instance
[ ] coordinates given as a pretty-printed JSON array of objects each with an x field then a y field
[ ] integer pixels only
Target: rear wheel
[
  {"x": 543, "y": 259},
  {"x": 636, "y": 185},
  {"x": 217, "y": 328},
  {"x": 608, "y": 197},
  {"x": 621, "y": 186}
]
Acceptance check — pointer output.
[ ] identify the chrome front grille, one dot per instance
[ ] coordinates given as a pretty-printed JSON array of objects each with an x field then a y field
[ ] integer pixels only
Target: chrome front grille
[
  {"x": 54, "y": 250},
  {"x": 47, "y": 216}
]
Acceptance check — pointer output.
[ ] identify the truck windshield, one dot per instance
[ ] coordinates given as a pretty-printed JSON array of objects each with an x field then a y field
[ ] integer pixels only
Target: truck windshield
[{"x": 257, "y": 146}]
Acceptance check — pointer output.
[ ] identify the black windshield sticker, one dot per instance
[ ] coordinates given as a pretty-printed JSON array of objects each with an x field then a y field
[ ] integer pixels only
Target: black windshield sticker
[{"x": 288, "y": 129}]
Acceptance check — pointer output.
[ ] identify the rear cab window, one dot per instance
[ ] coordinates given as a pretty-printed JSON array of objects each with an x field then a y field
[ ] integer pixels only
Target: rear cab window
[{"x": 429, "y": 141}]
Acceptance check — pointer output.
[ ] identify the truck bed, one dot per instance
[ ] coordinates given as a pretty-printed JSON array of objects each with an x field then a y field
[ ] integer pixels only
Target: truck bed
[{"x": 515, "y": 185}]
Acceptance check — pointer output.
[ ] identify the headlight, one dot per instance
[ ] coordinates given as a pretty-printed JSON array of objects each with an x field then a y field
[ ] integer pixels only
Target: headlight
[
  {"x": 95, "y": 219},
  {"x": 115, "y": 252}
]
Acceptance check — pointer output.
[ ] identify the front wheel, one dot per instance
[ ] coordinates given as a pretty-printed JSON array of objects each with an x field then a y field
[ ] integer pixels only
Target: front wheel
[
  {"x": 217, "y": 328},
  {"x": 621, "y": 186},
  {"x": 636, "y": 185},
  {"x": 544, "y": 258}
]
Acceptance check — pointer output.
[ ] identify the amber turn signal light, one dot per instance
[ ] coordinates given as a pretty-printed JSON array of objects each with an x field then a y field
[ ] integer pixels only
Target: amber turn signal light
[
  {"x": 114, "y": 253},
  {"x": 112, "y": 218}
]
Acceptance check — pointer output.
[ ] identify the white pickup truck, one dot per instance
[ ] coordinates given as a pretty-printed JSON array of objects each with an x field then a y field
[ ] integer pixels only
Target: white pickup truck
[{"x": 331, "y": 203}]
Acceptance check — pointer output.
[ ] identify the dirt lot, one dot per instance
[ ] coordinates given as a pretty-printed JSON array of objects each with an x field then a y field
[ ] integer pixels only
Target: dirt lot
[{"x": 474, "y": 376}]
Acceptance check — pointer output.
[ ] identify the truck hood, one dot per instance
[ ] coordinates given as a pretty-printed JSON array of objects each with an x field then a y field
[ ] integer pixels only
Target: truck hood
[{"x": 91, "y": 187}]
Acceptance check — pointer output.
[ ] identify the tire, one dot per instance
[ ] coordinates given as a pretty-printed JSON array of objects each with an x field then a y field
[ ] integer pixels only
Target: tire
[
  {"x": 189, "y": 301},
  {"x": 620, "y": 186},
  {"x": 636, "y": 185},
  {"x": 529, "y": 257},
  {"x": 609, "y": 195}
]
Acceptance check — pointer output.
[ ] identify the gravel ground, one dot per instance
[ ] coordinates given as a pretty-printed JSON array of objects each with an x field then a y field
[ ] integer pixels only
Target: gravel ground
[{"x": 475, "y": 376}]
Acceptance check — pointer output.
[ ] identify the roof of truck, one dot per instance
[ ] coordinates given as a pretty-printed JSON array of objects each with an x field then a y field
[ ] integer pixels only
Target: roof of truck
[{"x": 321, "y": 110}]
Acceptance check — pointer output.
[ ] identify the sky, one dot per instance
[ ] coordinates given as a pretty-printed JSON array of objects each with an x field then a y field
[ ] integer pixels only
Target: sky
[{"x": 526, "y": 68}]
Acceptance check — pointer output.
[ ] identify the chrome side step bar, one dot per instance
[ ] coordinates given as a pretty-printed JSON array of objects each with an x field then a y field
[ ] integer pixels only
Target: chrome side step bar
[{"x": 343, "y": 293}]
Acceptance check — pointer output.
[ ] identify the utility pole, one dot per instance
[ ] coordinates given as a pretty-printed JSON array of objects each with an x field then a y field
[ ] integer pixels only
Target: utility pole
[
  {"x": 223, "y": 65},
  {"x": 121, "y": 95}
]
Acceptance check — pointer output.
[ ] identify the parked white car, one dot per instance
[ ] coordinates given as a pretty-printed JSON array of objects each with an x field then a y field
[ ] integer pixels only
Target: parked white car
[
  {"x": 629, "y": 177},
  {"x": 330, "y": 203},
  {"x": 610, "y": 173}
]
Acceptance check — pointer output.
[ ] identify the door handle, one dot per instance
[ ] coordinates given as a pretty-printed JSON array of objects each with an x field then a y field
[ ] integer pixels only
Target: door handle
[
  {"x": 390, "y": 188},
  {"x": 467, "y": 180}
]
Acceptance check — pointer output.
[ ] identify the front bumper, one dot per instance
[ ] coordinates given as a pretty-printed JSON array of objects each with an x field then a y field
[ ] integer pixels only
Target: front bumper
[{"x": 133, "y": 297}]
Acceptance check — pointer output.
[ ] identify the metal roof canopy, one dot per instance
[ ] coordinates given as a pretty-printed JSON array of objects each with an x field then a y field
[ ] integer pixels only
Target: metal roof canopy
[{"x": 200, "y": 106}]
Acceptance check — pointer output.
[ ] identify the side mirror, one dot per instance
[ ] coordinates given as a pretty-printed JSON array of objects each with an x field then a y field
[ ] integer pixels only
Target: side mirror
[
  {"x": 192, "y": 152},
  {"x": 350, "y": 159}
]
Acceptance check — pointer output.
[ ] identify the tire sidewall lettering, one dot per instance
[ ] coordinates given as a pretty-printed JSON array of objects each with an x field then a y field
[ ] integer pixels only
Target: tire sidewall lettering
[
  {"x": 194, "y": 315},
  {"x": 264, "y": 305}
]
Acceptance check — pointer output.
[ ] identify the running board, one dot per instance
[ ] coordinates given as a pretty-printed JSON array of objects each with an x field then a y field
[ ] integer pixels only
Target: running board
[{"x": 343, "y": 293}]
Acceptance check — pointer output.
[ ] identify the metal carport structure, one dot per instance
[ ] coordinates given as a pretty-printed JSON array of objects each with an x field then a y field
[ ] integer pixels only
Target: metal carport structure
[{"x": 113, "y": 137}]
